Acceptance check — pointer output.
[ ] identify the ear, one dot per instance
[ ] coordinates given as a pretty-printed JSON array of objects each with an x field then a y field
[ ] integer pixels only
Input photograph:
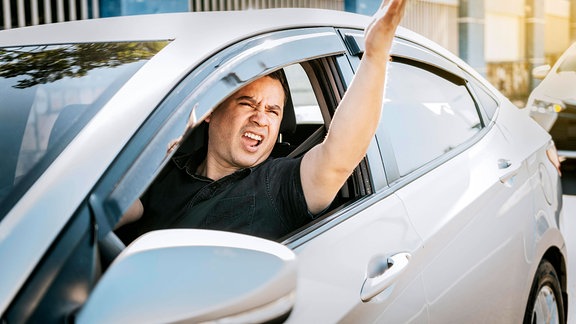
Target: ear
[{"x": 207, "y": 119}]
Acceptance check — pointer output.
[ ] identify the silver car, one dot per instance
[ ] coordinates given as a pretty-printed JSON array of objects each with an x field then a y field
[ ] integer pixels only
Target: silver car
[
  {"x": 452, "y": 217},
  {"x": 553, "y": 102}
]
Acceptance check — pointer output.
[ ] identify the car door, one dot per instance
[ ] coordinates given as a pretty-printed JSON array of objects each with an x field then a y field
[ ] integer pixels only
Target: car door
[
  {"x": 466, "y": 192},
  {"x": 354, "y": 261}
]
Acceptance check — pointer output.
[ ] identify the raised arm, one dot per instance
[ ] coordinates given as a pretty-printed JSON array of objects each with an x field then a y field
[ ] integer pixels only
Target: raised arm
[{"x": 326, "y": 167}]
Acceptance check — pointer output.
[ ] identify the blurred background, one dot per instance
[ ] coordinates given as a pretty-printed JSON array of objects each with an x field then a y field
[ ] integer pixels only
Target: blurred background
[{"x": 502, "y": 39}]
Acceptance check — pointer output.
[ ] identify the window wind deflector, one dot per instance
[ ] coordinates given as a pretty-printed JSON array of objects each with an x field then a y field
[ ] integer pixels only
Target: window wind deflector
[
  {"x": 355, "y": 43},
  {"x": 457, "y": 80}
]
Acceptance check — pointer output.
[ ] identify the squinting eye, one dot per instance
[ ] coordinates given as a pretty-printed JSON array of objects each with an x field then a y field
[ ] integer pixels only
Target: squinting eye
[{"x": 274, "y": 112}]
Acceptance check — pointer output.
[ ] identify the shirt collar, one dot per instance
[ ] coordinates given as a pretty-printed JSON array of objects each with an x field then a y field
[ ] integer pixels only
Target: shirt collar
[{"x": 190, "y": 162}]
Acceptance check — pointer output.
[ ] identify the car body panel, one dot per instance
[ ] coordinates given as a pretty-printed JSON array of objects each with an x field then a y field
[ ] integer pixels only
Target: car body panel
[
  {"x": 461, "y": 203},
  {"x": 473, "y": 211},
  {"x": 475, "y": 196},
  {"x": 383, "y": 229},
  {"x": 506, "y": 198}
]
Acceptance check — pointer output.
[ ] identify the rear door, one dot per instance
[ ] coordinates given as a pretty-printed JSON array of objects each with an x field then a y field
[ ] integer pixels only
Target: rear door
[
  {"x": 465, "y": 192},
  {"x": 355, "y": 262}
]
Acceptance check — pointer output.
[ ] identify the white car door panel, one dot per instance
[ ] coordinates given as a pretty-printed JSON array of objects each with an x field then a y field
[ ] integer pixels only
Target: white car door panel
[
  {"x": 465, "y": 224},
  {"x": 334, "y": 266},
  {"x": 465, "y": 190}
]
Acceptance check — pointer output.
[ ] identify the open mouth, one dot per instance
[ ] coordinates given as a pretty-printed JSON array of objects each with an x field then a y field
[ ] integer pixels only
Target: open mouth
[{"x": 254, "y": 138}]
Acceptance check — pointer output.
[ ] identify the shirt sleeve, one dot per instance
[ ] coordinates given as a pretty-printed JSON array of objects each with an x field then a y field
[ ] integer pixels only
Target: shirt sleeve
[{"x": 284, "y": 189}]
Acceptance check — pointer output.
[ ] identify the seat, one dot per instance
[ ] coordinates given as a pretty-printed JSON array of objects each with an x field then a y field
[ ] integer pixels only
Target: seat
[{"x": 287, "y": 126}]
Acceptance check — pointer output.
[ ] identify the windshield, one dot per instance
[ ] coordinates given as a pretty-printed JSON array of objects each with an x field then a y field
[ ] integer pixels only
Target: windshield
[{"x": 48, "y": 93}]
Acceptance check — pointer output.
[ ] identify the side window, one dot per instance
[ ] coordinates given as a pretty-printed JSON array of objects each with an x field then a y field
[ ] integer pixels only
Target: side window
[
  {"x": 488, "y": 104},
  {"x": 306, "y": 108},
  {"x": 306, "y": 105},
  {"x": 425, "y": 115}
]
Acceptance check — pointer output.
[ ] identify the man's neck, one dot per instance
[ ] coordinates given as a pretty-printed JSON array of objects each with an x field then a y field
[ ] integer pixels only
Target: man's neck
[{"x": 214, "y": 171}]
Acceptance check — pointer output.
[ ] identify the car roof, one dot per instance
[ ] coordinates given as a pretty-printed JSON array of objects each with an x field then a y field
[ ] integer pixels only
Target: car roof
[
  {"x": 199, "y": 26},
  {"x": 214, "y": 30}
]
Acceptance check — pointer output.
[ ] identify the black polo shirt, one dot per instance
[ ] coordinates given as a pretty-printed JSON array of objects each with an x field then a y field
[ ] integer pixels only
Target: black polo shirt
[{"x": 265, "y": 201}]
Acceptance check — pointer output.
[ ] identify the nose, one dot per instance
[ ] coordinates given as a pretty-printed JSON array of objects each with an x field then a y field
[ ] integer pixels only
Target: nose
[{"x": 259, "y": 117}]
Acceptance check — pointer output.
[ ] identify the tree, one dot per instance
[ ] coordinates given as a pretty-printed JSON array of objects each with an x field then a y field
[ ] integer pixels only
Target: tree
[{"x": 42, "y": 64}]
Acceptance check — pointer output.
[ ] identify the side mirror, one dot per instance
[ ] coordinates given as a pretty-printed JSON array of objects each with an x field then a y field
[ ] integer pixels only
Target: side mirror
[
  {"x": 540, "y": 72},
  {"x": 195, "y": 276}
]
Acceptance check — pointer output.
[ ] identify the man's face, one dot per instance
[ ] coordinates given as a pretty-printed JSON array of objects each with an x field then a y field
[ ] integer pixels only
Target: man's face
[{"x": 244, "y": 128}]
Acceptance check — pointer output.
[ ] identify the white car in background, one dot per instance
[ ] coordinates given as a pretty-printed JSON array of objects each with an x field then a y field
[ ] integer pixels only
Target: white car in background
[
  {"x": 553, "y": 102},
  {"x": 452, "y": 217}
]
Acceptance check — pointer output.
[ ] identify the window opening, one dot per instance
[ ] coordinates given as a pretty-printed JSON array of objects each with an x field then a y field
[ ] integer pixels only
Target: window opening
[{"x": 426, "y": 115}]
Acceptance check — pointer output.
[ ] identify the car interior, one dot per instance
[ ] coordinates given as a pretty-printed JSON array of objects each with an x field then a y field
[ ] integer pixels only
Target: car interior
[{"x": 307, "y": 114}]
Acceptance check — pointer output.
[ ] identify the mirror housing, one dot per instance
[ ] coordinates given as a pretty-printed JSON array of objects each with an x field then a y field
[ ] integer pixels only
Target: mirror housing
[
  {"x": 196, "y": 276},
  {"x": 540, "y": 72}
]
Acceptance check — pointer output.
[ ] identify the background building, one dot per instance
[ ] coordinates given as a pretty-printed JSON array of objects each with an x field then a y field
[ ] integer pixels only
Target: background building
[{"x": 502, "y": 39}]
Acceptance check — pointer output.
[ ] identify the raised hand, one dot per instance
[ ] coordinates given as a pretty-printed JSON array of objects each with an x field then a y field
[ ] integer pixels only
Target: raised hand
[{"x": 380, "y": 32}]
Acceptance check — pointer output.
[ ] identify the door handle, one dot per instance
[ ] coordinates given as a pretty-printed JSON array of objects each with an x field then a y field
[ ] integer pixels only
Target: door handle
[
  {"x": 512, "y": 169},
  {"x": 504, "y": 164},
  {"x": 381, "y": 274}
]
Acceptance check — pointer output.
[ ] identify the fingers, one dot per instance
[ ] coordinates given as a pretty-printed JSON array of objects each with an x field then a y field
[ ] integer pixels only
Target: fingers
[
  {"x": 396, "y": 9},
  {"x": 389, "y": 15},
  {"x": 380, "y": 32},
  {"x": 392, "y": 9},
  {"x": 384, "y": 4},
  {"x": 173, "y": 144}
]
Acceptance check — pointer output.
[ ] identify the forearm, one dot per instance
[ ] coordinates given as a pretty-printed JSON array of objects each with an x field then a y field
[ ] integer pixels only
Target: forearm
[
  {"x": 132, "y": 214},
  {"x": 358, "y": 114},
  {"x": 327, "y": 166}
]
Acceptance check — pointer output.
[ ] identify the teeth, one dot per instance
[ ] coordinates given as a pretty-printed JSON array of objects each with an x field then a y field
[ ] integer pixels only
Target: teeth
[{"x": 253, "y": 136}]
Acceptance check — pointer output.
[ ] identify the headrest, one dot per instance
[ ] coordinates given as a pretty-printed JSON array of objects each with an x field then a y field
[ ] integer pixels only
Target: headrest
[{"x": 288, "y": 124}]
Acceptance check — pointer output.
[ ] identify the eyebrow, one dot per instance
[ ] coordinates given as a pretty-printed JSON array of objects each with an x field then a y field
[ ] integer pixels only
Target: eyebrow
[{"x": 254, "y": 102}]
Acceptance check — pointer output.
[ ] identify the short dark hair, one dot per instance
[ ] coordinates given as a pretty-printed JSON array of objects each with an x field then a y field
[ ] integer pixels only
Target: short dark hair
[{"x": 281, "y": 76}]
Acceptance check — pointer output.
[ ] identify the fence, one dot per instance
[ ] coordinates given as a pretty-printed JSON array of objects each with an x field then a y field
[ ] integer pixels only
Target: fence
[
  {"x": 213, "y": 5},
  {"x": 20, "y": 13}
]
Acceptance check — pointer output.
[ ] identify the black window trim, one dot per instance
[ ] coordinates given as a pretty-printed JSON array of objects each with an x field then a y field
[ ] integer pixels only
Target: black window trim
[{"x": 474, "y": 83}]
